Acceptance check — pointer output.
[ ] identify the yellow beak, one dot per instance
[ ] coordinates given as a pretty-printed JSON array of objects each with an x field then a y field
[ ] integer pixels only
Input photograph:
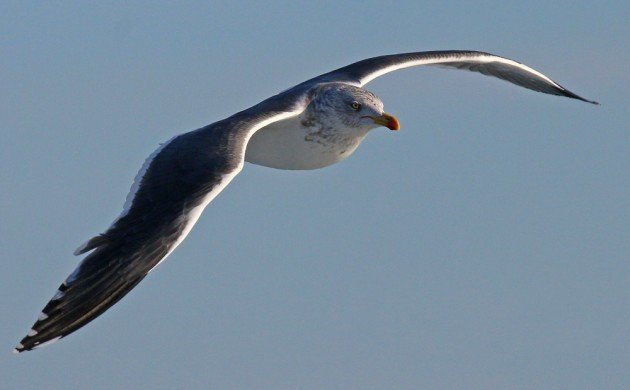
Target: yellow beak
[{"x": 387, "y": 120}]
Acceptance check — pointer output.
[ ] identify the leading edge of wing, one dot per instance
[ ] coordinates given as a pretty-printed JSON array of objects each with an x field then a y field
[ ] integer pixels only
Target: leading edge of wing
[
  {"x": 177, "y": 184},
  {"x": 362, "y": 72}
]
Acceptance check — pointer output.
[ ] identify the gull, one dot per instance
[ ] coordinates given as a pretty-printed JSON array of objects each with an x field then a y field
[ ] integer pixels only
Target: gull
[{"x": 311, "y": 125}]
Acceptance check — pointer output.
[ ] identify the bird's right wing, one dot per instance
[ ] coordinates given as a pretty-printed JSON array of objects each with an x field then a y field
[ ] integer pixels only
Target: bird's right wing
[
  {"x": 170, "y": 192},
  {"x": 362, "y": 72}
]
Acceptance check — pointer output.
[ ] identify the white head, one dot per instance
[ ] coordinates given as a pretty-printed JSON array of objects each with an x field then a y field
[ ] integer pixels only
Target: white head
[
  {"x": 336, "y": 120},
  {"x": 338, "y": 105}
]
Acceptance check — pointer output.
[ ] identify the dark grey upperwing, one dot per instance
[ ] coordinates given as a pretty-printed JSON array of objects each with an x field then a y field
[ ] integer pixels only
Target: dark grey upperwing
[
  {"x": 179, "y": 181},
  {"x": 362, "y": 72}
]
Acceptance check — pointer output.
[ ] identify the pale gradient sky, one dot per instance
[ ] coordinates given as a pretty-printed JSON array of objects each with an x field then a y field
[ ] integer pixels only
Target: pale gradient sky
[{"x": 484, "y": 246}]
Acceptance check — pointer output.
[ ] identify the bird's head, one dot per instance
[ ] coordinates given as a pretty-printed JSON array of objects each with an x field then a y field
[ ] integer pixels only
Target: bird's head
[{"x": 352, "y": 107}]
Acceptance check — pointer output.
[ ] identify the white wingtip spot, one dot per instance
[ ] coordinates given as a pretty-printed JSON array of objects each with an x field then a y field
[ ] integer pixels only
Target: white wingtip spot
[
  {"x": 47, "y": 342},
  {"x": 58, "y": 295},
  {"x": 31, "y": 333},
  {"x": 18, "y": 348},
  {"x": 42, "y": 316},
  {"x": 80, "y": 249},
  {"x": 72, "y": 277}
]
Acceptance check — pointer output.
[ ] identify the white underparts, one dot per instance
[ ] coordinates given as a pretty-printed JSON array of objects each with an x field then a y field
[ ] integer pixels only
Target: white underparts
[{"x": 289, "y": 144}]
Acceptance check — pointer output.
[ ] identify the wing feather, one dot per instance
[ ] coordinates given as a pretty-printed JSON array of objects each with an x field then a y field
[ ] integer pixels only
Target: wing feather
[
  {"x": 170, "y": 193},
  {"x": 362, "y": 72}
]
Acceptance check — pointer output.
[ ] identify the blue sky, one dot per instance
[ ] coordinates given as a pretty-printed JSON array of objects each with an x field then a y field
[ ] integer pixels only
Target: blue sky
[{"x": 485, "y": 245}]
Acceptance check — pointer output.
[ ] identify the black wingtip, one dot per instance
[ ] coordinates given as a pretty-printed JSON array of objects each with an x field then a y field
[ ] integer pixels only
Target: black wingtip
[
  {"x": 29, "y": 343},
  {"x": 572, "y": 95},
  {"x": 586, "y": 100}
]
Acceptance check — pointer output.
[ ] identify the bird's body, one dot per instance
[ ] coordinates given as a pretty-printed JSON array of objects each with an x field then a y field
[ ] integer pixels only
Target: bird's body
[
  {"x": 298, "y": 143},
  {"x": 312, "y": 125},
  {"x": 314, "y": 139}
]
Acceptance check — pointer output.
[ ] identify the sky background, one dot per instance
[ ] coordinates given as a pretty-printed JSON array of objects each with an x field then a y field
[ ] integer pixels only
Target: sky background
[{"x": 484, "y": 246}]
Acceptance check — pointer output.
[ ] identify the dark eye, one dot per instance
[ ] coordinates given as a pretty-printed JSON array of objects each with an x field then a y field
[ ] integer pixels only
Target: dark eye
[{"x": 356, "y": 105}]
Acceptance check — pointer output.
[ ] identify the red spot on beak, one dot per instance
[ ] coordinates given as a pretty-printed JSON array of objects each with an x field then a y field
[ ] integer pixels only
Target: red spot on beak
[{"x": 390, "y": 122}]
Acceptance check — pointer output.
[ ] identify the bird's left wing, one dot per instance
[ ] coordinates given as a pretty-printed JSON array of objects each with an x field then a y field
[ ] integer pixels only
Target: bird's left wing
[
  {"x": 362, "y": 72},
  {"x": 171, "y": 190}
]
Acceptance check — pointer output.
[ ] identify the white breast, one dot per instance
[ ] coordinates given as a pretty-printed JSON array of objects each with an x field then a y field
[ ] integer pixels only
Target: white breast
[{"x": 290, "y": 145}]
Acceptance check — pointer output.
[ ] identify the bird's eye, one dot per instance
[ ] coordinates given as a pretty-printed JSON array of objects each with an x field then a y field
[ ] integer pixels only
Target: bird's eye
[{"x": 356, "y": 105}]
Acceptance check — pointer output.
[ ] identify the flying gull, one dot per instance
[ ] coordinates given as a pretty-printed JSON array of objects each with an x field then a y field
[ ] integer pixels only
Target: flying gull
[{"x": 312, "y": 125}]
